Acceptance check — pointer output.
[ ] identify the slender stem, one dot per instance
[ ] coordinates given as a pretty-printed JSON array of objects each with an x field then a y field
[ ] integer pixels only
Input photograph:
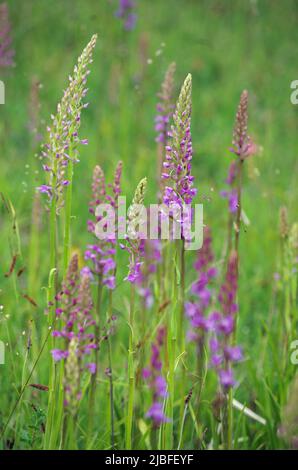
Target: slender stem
[
  {"x": 24, "y": 386},
  {"x": 111, "y": 387},
  {"x": 239, "y": 206},
  {"x": 201, "y": 372},
  {"x": 182, "y": 295},
  {"x": 131, "y": 373},
  {"x": 70, "y": 433},
  {"x": 34, "y": 249},
  {"x": 181, "y": 331},
  {"x": 172, "y": 340},
  {"x": 94, "y": 376},
  {"x": 228, "y": 418},
  {"x": 52, "y": 288},
  {"x": 229, "y": 443},
  {"x": 182, "y": 426},
  {"x": 68, "y": 203}
]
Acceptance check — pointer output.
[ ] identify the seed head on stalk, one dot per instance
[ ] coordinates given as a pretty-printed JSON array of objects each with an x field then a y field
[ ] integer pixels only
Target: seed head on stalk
[
  {"x": 241, "y": 139},
  {"x": 63, "y": 139},
  {"x": 243, "y": 147}
]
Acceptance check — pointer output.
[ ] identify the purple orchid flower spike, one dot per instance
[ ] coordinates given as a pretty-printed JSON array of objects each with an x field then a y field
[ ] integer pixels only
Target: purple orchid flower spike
[
  {"x": 126, "y": 12},
  {"x": 157, "y": 383}
]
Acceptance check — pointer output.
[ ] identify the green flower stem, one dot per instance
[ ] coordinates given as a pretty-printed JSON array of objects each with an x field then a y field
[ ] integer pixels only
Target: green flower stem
[
  {"x": 94, "y": 376},
  {"x": 111, "y": 387},
  {"x": 230, "y": 420},
  {"x": 51, "y": 317},
  {"x": 182, "y": 296},
  {"x": 68, "y": 204},
  {"x": 70, "y": 434},
  {"x": 172, "y": 344},
  {"x": 131, "y": 373}
]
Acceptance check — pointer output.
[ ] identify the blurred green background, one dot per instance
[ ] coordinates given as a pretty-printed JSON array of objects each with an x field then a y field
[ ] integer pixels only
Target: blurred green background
[{"x": 226, "y": 46}]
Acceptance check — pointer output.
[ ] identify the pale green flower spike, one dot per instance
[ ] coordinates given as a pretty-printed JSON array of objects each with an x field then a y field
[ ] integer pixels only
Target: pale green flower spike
[{"x": 72, "y": 377}]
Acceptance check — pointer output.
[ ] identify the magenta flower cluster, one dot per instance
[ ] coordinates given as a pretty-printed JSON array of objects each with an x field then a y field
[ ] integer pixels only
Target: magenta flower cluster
[
  {"x": 156, "y": 381},
  {"x": 231, "y": 194},
  {"x": 196, "y": 310},
  {"x": 151, "y": 259},
  {"x": 102, "y": 253},
  {"x": 177, "y": 165},
  {"x": 136, "y": 250},
  {"x": 222, "y": 326},
  {"x": 218, "y": 325},
  {"x": 74, "y": 317},
  {"x": 127, "y": 14},
  {"x": 144, "y": 257}
]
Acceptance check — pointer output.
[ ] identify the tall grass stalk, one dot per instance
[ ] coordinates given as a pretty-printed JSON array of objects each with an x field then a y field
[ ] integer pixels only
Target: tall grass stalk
[
  {"x": 92, "y": 392},
  {"x": 111, "y": 385},
  {"x": 131, "y": 372},
  {"x": 172, "y": 348},
  {"x": 241, "y": 143},
  {"x": 67, "y": 221},
  {"x": 52, "y": 290}
]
